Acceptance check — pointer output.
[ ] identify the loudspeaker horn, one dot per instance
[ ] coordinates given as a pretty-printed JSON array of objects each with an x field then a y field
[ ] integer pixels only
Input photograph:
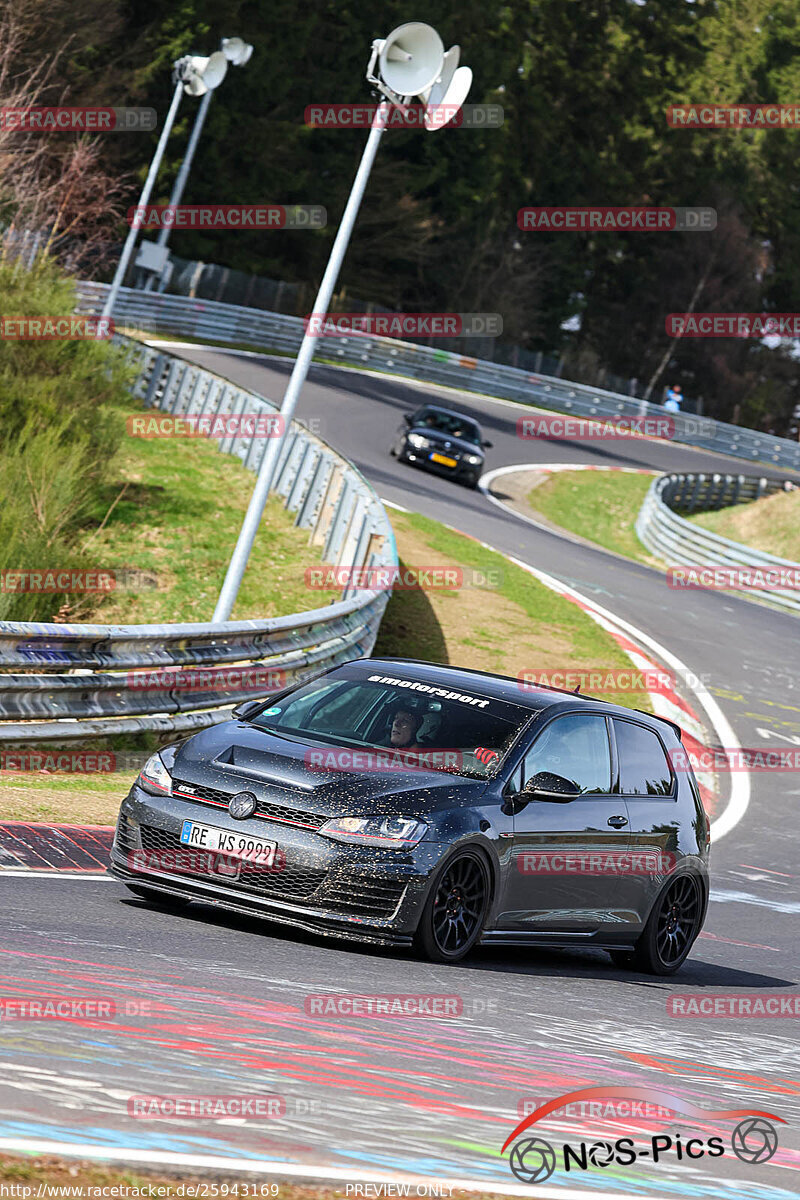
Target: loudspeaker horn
[
  {"x": 201, "y": 75},
  {"x": 440, "y": 111},
  {"x": 411, "y": 59},
  {"x": 237, "y": 51}
]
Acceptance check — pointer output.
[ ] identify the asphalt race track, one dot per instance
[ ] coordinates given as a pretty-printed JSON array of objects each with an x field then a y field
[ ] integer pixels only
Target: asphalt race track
[{"x": 217, "y": 1003}]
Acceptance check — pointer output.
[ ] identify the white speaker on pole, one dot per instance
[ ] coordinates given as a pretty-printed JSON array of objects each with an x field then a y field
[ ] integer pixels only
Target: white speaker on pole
[
  {"x": 446, "y": 95},
  {"x": 201, "y": 75},
  {"x": 439, "y": 112},
  {"x": 410, "y": 59},
  {"x": 237, "y": 51}
]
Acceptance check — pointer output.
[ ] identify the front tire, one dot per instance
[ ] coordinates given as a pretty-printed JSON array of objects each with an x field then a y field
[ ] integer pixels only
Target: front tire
[
  {"x": 456, "y": 909},
  {"x": 671, "y": 929}
]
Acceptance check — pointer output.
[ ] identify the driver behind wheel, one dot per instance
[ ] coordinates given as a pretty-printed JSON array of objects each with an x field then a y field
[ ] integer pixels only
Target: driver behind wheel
[{"x": 404, "y": 729}]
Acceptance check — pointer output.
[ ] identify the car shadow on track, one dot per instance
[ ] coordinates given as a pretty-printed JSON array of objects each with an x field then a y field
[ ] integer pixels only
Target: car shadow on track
[{"x": 695, "y": 975}]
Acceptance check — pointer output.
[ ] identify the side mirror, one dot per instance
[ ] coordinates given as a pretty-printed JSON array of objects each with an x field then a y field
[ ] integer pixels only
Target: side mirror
[
  {"x": 487, "y": 445},
  {"x": 409, "y": 420},
  {"x": 545, "y": 785},
  {"x": 246, "y": 710}
]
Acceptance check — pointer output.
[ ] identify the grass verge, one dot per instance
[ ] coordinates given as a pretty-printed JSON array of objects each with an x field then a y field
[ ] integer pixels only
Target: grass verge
[
  {"x": 599, "y": 505},
  {"x": 771, "y": 525},
  {"x": 76, "y": 1178},
  {"x": 503, "y": 620},
  {"x": 168, "y": 524}
]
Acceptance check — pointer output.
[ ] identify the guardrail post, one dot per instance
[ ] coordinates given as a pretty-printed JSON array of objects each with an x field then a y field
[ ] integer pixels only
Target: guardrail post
[
  {"x": 340, "y": 523},
  {"x": 309, "y": 509}
]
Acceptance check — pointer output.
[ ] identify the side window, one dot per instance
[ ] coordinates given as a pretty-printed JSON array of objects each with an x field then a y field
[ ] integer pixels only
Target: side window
[
  {"x": 643, "y": 766},
  {"x": 575, "y": 747}
]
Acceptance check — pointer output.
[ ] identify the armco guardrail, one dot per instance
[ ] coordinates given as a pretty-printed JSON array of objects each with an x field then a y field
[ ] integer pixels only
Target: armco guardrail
[
  {"x": 66, "y": 682},
  {"x": 681, "y": 543},
  {"x": 211, "y": 321}
]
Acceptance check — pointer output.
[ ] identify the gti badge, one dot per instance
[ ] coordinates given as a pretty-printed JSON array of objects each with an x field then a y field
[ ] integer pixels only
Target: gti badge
[{"x": 242, "y": 805}]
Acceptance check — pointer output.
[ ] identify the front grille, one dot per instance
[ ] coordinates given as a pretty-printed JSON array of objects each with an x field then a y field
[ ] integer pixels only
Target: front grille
[
  {"x": 292, "y": 882},
  {"x": 265, "y": 808},
  {"x": 364, "y": 896}
]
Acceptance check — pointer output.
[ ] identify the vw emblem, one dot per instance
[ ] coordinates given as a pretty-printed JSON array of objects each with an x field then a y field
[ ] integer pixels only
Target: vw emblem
[{"x": 242, "y": 805}]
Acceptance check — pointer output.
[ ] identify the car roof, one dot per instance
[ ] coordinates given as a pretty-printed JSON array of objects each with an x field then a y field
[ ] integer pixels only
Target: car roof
[
  {"x": 505, "y": 687},
  {"x": 451, "y": 412}
]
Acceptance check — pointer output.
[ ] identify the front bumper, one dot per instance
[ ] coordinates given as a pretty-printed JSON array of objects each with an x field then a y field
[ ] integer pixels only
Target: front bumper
[
  {"x": 462, "y": 472},
  {"x": 322, "y": 886}
]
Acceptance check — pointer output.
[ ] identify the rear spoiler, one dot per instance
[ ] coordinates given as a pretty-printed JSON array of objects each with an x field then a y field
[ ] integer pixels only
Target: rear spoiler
[{"x": 666, "y": 721}]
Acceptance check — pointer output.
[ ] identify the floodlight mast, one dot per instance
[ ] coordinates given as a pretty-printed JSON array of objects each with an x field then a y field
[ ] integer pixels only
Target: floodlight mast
[
  {"x": 238, "y": 53},
  {"x": 197, "y": 76},
  {"x": 244, "y": 544},
  {"x": 405, "y": 64},
  {"x": 130, "y": 240}
]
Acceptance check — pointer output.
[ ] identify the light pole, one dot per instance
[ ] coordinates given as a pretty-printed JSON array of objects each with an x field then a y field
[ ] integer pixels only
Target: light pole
[
  {"x": 194, "y": 75},
  {"x": 410, "y": 62},
  {"x": 237, "y": 52}
]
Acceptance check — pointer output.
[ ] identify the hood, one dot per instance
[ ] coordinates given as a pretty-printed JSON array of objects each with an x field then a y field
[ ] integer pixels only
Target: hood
[
  {"x": 235, "y": 756},
  {"x": 437, "y": 438}
]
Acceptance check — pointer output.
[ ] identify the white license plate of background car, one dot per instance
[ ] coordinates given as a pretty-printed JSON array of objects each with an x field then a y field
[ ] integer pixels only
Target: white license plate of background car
[
  {"x": 237, "y": 845},
  {"x": 444, "y": 460}
]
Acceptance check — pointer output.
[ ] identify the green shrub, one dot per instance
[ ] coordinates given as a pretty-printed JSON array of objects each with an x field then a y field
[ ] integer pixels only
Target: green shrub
[{"x": 61, "y": 423}]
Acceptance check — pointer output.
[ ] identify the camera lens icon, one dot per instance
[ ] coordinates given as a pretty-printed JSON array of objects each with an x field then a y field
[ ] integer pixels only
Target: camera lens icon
[
  {"x": 754, "y": 1140},
  {"x": 533, "y": 1160}
]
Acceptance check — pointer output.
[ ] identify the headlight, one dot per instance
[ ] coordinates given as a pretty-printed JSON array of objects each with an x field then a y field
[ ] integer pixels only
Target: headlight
[
  {"x": 473, "y": 459},
  {"x": 418, "y": 441},
  {"x": 155, "y": 778},
  {"x": 395, "y": 832}
]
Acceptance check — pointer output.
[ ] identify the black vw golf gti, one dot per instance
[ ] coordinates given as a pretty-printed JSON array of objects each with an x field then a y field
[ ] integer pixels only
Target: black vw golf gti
[{"x": 408, "y": 803}]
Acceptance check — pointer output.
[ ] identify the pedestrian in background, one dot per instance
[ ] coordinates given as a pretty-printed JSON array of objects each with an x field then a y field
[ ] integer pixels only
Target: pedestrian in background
[{"x": 674, "y": 398}]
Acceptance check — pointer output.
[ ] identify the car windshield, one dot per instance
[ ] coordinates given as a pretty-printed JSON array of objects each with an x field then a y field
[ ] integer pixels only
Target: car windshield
[
  {"x": 404, "y": 721},
  {"x": 453, "y": 424}
]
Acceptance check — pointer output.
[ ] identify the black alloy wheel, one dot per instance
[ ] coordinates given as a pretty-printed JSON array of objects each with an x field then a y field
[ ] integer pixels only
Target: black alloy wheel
[{"x": 456, "y": 908}]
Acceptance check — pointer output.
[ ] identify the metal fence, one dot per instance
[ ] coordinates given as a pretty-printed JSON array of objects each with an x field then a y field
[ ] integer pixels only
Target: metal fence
[
  {"x": 66, "y": 682},
  {"x": 681, "y": 543},
  {"x": 211, "y": 321}
]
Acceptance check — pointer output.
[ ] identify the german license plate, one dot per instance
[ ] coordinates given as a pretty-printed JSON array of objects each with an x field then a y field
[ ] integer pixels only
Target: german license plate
[
  {"x": 444, "y": 460},
  {"x": 236, "y": 845}
]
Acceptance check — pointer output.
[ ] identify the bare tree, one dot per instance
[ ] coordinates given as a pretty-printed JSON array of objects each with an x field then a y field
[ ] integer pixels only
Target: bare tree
[{"x": 54, "y": 185}]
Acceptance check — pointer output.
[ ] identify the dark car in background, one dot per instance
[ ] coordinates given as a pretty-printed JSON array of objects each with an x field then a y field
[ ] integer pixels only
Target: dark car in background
[
  {"x": 444, "y": 441},
  {"x": 403, "y": 802}
]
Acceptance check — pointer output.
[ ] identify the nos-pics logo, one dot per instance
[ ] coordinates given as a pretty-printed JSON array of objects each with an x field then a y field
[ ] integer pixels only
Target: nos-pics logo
[{"x": 533, "y": 1159}]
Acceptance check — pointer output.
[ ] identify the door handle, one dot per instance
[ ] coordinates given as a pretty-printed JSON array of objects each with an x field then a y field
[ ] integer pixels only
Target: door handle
[{"x": 618, "y": 822}]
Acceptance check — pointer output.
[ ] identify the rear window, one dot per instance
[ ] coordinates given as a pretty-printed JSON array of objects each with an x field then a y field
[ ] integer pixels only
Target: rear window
[
  {"x": 643, "y": 766},
  {"x": 432, "y": 725}
]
